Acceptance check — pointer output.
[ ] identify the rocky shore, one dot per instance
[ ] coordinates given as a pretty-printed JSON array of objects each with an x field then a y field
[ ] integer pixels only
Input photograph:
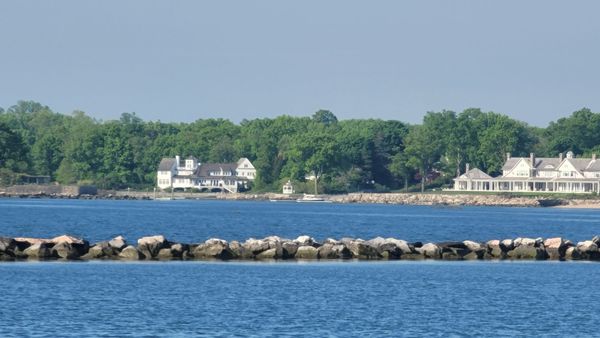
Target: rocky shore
[{"x": 302, "y": 248}]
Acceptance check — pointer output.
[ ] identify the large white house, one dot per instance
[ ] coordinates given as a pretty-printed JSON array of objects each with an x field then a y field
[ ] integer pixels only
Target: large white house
[
  {"x": 190, "y": 173},
  {"x": 544, "y": 174}
]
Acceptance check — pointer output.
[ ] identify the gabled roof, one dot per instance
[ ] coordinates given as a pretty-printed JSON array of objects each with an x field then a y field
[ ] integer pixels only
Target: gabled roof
[
  {"x": 510, "y": 163},
  {"x": 593, "y": 166},
  {"x": 579, "y": 163},
  {"x": 547, "y": 163},
  {"x": 166, "y": 164},
  {"x": 205, "y": 168},
  {"x": 475, "y": 174}
]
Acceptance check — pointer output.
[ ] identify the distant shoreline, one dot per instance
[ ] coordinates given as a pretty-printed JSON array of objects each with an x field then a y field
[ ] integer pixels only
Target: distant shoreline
[{"x": 434, "y": 199}]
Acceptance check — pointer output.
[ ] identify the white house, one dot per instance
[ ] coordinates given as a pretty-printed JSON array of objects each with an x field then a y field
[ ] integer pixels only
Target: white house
[
  {"x": 544, "y": 174},
  {"x": 190, "y": 173}
]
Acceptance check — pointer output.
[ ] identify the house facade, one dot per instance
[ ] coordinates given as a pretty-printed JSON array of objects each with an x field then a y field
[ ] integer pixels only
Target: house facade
[
  {"x": 544, "y": 174},
  {"x": 190, "y": 173}
]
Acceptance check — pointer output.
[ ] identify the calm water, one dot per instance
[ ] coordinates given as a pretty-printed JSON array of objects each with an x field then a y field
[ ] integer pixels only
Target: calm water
[
  {"x": 295, "y": 299},
  {"x": 194, "y": 221}
]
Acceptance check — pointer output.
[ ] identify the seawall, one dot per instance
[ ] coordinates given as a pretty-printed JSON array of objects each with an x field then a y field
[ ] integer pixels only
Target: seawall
[{"x": 302, "y": 248}]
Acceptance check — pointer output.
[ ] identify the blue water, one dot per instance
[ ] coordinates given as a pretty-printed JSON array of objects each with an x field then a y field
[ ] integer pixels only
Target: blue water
[
  {"x": 194, "y": 221},
  {"x": 171, "y": 299}
]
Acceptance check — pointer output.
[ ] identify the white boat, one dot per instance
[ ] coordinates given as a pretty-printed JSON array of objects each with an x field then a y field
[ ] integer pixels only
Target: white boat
[{"x": 312, "y": 199}]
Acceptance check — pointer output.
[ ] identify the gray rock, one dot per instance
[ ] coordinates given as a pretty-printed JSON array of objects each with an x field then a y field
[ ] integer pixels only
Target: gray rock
[
  {"x": 290, "y": 248},
  {"x": 7, "y": 244},
  {"x": 305, "y": 240},
  {"x": 525, "y": 242},
  {"x": 255, "y": 246},
  {"x": 213, "y": 249},
  {"x": 430, "y": 250},
  {"x": 571, "y": 253},
  {"x": 401, "y": 244},
  {"x": 165, "y": 254},
  {"x": 527, "y": 252},
  {"x": 131, "y": 253},
  {"x": 555, "y": 247},
  {"x": 150, "y": 246},
  {"x": 39, "y": 251},
  {"x": 587, "y": 246},
  {"x": 268, "y": 254},
  {"x": 66, "y": 250},
  {"x": 333, "y": 251},
  {"x": 360, "y": 249},
  {"x": 307, "y": 252},
  {"x": 240, "y": 251},
  {"x": 118, "y": 243},
  {"x": 99, "y": 250}
]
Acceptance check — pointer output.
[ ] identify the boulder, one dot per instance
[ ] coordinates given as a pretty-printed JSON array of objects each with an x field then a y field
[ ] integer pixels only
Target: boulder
[
  {"x": 66, "y": 250},
  {"x": 150, "y": 246},
  {"x": 587, "y": 246},
  {"x": 39, "y": 251},
  {"x": 177, "y": 249},
  {"x": 31, "y": 240},
  {"x": 305, "y": 240},
  {"x": 67, "y": 239},
  {"x": 430, "y": 250},
  {"x": 527, "y": 252},
  {"x": 7, "y": 244},
  {"x": 333, "y": 251},
  {"x": 588, "y": 250},
  {"x": 99, "y": 250},
  {"x": 289, "y": 249},
  {"x": 572, "y": 253},
  {"x": 307, "y": 252},
  {"x": 331, "y": 241},
  {"x": 507, "y": 245},
  {"x": 255, "y": 246},
  {"x": 525, "y": 242},
  {"x": 268, "y": 254},
  {"x": 131, "y": 253},
  {"x": 495, "y": 249},
  {"x": 555, "y": 247},
  {"x": 213, "y": 249},
  {"x": 360, "y": 249},
  {"x": 596, "y": 240},
  {"x": 165, "y": 254},
  {"x": 118, "y": 243},
  {"x": 240, "y": 251},
  {"x": 400, "y": 244}
]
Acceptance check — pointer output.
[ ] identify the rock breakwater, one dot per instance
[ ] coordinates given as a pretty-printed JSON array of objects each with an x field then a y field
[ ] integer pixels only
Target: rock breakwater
[{"x": 302, "y": 248}]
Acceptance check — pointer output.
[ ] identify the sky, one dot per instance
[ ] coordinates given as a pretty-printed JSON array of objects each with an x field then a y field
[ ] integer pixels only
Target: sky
[{"x": 535, "y": 61}]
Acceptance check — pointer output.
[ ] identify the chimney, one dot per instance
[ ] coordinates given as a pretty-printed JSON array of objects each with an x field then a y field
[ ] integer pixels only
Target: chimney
[
  {"x": 467, "y": 168},
  {"x": 560, "y": 156},
  {"x": 507, "y": 156},
  {"x": 532, "y": 159},
  {"x": 177, "y": 161}
]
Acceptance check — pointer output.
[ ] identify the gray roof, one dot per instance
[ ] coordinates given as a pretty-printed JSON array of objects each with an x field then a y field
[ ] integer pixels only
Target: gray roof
[
  {"x": 552, "y": 163},
  {"x": 594, "y": 166},
  {"x": 166, "y": 164},
  {"x": 475, "y": 174},
  {"x": 510, "y": 163},
  {"x": 579, "y": 163},
  {"x": 547, "y": 163},
  {"x": 205, "y": 168}
]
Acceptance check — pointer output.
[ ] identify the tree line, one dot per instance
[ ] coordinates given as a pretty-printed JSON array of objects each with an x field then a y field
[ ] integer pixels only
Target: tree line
[{"x": 345, "y": 155}]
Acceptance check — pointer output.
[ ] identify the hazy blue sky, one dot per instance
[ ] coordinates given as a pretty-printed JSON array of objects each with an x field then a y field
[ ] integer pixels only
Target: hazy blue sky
[{"x": 184, "y": 60}]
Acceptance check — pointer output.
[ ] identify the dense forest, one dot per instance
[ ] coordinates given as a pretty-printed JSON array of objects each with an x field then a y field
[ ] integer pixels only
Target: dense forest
[{"x": 346, "y": 155}]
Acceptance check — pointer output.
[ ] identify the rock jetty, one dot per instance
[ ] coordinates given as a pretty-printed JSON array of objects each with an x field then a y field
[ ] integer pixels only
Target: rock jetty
[{"x": 157, "y": 247}]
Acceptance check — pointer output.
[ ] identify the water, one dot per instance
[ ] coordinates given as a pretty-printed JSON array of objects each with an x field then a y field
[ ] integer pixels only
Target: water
[
  {"x": 181, "y": 299},
  {"x": 194, "y": 221}
]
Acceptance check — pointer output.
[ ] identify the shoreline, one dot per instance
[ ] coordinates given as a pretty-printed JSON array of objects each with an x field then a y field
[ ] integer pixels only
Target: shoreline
[{"x": 428, "y": 199}]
